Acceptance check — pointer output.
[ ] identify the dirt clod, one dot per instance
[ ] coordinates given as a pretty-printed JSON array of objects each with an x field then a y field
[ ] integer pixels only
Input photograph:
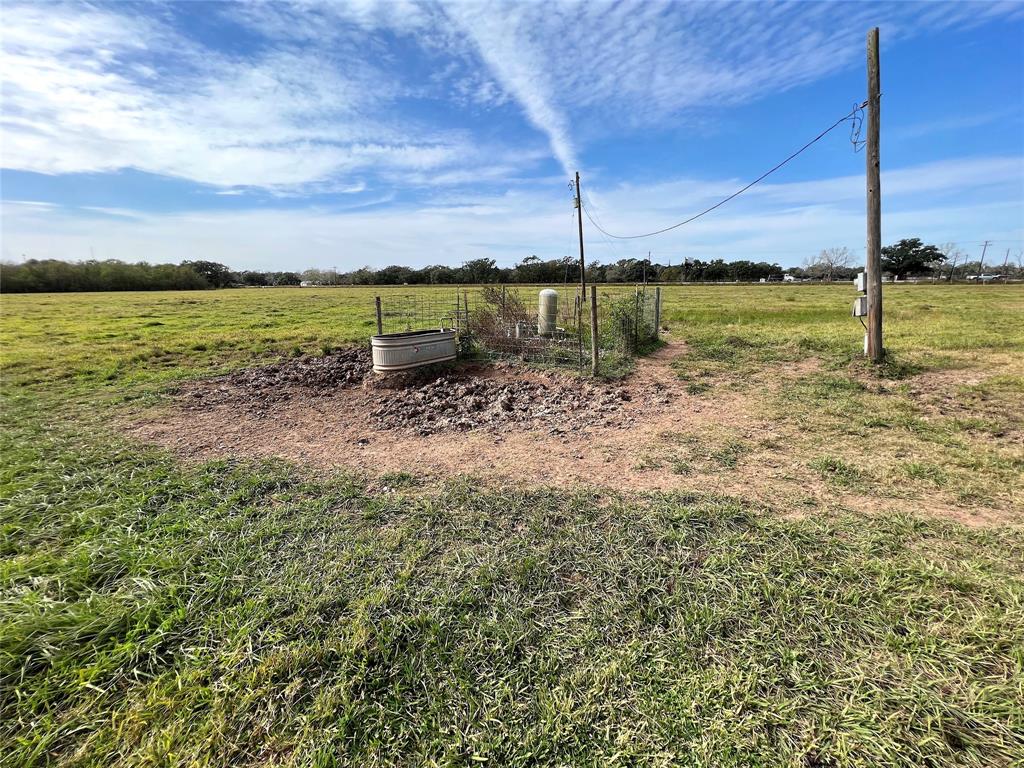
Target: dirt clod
[
  {"x": 270, "y": 384},
  {"x": 424, "y": 402},
  {"x": 451, "y": 403}
]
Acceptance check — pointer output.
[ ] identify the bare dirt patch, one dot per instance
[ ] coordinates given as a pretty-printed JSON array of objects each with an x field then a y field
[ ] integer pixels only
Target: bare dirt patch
[
  {"x": 259, "y": 389},
  {"x": 505, "y": 421},
  {"x": 510, "y": 424},
  {"x": 495, "y": 399}
]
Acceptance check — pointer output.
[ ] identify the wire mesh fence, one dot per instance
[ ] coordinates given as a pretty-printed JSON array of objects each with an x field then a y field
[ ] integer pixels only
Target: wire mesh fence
[{"x": 547, "y": 325}]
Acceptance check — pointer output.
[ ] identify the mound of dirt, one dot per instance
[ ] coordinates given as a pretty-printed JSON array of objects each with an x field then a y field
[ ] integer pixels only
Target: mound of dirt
[
  {"x": 452, "y": 404},
  {"x": 307, "y": 376},
  {"x": 425, "y": 401}
]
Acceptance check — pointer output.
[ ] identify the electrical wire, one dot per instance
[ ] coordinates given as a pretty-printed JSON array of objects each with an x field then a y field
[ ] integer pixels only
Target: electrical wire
[
  {"x": 852, "y": 115},
  {"x": 613, "y": 250}
]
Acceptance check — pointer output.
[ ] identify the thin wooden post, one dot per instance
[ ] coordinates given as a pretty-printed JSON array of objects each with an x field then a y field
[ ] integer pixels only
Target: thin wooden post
[
  {"x": 380, "y": 317},
  {"x": 578, "y": 317},
  {"x": 593, "y": 329},
  {"x": 637, "y": 317},
  {"x": 875, "y": 351},
  {"x": 657, "y": 312}
]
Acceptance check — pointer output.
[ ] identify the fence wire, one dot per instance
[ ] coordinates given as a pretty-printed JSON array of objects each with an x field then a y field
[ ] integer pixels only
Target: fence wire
[{"x": 504, "y": 322}]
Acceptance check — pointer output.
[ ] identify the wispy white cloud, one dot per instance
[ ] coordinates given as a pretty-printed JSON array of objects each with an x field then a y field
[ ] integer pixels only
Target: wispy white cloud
[
  {"x": 319, "y": 101},
  {"x": 92, "y": 89},
  {"x": 953, "y": 123},
  {"x": 124, "y": 213},
  {"x": 619, "y": 66}
]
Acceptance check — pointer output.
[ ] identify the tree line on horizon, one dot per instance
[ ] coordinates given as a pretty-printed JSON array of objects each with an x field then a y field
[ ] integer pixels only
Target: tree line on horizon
[{"x": 907, "y": 258}]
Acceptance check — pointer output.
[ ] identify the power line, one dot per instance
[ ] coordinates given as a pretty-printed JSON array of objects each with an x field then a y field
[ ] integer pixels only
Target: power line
[
  {"x": 850, "y": 115},
  {"x": 612, "y": 248}
]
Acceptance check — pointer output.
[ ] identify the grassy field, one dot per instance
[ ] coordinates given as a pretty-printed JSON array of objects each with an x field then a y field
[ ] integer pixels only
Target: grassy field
[{"x": 237, "y": 612}]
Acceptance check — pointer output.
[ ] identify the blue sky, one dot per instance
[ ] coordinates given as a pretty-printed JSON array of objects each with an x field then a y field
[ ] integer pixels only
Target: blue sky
[{"x": 294, "y": 135}]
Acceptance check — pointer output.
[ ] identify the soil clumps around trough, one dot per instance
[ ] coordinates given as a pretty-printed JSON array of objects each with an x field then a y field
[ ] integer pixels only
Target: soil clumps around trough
[
  {"x": 511, "y": 424},
  {"x": 260, "y": 388},
  {"x": 423, "y": 401},
  {"x": 454, "y": 403}
]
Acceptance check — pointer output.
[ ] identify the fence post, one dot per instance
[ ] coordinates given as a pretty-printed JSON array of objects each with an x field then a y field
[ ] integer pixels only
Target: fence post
[
  {"x": 593, "y": 329},
  {"x": 637, "y": 317},
  {"x": 380, "y": 318},
  {"x": 657, "y": 312}
]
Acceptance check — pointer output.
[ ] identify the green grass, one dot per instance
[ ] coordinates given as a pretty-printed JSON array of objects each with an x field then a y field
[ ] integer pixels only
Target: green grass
[
  {"x": 154, "y": 612},
  {"x": 120, "y": 340},
  {"x": 248, "y": 613},
  {"x": 837, "y": 471}
]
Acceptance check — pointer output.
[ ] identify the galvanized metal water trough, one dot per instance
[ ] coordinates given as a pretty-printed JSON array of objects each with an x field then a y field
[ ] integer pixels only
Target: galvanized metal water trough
[{"x": 400, "y": 351}]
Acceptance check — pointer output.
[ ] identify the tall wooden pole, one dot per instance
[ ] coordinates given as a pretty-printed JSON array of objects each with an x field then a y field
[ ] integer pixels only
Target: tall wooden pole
[
  {"x": 981, "y": 264},
  {"x": 579, "y": 219},
  {"x": 875, "y": 350}
]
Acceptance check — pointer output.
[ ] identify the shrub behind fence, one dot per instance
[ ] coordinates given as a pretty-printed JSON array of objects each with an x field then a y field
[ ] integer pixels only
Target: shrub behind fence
[{"x": 501, "y": 322}]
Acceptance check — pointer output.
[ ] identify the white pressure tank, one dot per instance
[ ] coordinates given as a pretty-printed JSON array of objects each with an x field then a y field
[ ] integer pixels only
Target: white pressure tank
[{"x": 547, "y": 312}]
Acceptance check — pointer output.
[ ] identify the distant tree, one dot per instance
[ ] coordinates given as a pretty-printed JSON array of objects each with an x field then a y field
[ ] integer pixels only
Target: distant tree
[
  {"x": 217, "y": 275},
  {"x": 393, "y": 275},
  {"x": 716, "y": 271},
  {"x": 286, "y": 278},
  {"x": 250, "y": 277},
  {"x": 110, "y": 275},
  {"x": 479, "y": 271},
  {"x": 954, "y": 256},
  {"x": 693, "y": 270},
  {"x": 361, "y": 276},
  {"x": 752, "y": 271},
  {"x": 441, "y": 274},
  {"x": 829, "y": 264},
  {"x": 626, "y": 271},
  {"x": 911, "y": 257}
]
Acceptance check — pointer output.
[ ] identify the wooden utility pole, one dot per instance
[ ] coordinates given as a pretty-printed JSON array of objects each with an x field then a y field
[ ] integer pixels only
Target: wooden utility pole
[
  {"x": 1005, "y": 262},
  {"x": 981, "y": 264},
  {"x": 579, "y": 219},
  {"x": 875, "y": 350}
]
